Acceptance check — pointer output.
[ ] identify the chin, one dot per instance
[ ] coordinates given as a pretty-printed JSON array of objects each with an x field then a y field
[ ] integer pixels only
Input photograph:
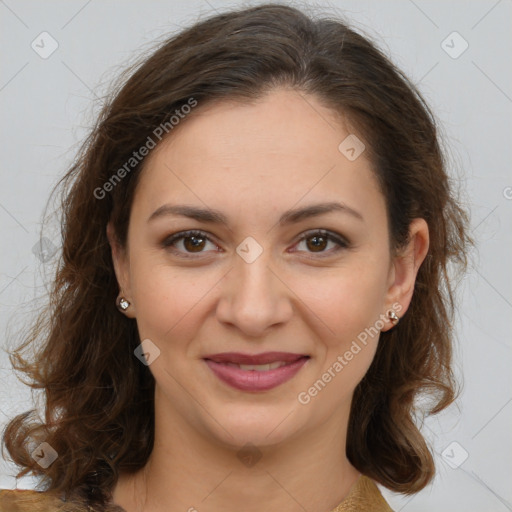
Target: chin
[{"x": 261, "y": 425}]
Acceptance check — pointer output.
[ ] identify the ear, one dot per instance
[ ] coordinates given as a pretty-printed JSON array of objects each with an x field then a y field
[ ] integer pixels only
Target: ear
[
  {"x": 405, "y": 266},
  {"x": 122, "y": 268}
]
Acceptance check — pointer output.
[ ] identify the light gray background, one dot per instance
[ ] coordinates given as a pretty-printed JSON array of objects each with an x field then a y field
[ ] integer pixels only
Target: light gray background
[{"x": 46, "y": 105}]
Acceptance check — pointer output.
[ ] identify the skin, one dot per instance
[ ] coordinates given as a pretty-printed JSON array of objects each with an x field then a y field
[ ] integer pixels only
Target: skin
[{"x": 253, "y": 162}]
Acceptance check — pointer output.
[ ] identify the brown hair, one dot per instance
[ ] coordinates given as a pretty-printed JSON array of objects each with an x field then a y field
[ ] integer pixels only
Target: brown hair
[{"x": 99, "y": 398}]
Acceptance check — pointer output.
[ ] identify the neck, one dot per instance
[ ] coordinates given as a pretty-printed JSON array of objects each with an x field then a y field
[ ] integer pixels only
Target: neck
[{"x": 188, "y": 472}]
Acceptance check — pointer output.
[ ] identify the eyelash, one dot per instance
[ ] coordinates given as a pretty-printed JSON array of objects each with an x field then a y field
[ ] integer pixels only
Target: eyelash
[{"x": 340, "y": 241}]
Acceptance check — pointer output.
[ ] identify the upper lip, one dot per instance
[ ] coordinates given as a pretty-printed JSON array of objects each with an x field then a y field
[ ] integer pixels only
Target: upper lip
[{"x": 263, "y": 358}]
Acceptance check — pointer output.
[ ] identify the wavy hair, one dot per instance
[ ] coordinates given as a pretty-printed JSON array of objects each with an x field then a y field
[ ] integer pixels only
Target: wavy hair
[{"x": 99, "y": 410}]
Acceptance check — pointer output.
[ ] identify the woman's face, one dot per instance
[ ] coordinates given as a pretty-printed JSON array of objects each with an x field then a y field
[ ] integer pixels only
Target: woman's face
[{"x": 264, "y": 280}]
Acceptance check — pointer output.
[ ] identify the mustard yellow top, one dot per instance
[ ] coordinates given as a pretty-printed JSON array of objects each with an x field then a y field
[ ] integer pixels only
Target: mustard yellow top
[{"x": 364, "y": 496}]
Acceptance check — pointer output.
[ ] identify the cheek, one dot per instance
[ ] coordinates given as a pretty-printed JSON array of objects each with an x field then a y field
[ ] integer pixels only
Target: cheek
[
  {"x": 166, "y": 299},
  {"x": 348, "y": 300},
  {"x": 350, "y": 307}
]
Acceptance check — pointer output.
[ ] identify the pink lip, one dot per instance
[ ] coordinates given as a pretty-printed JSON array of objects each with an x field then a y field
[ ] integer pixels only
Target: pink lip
[
  {"x": 263, "y": 358},
  {"x": 253, "y": 380}
]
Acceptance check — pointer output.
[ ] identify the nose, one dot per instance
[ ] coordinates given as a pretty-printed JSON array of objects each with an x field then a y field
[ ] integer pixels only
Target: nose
[{"x": 254, "y": 297}]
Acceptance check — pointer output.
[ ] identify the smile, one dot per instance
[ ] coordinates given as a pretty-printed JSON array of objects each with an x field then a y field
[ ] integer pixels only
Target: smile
[{"x": 259, "y": 372}]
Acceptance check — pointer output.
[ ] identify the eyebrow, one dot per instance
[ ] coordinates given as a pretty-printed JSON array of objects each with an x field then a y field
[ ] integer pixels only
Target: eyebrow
[{"x": 288, "y": 217}]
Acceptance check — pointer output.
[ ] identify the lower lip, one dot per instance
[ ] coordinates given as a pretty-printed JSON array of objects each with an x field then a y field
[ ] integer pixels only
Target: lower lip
[{"x": 252, "y": 380}]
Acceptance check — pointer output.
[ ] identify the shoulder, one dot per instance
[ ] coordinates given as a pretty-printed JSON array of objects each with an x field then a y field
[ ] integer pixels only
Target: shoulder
[
  {"x": 25, "y": 500},
  {"x": 364, "y": 495}
]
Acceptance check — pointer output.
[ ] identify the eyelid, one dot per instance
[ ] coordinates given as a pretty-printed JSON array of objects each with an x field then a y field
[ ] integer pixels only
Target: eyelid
[
  {"x": 337, "y": 238},
  {"x": 168, "y": 241},
  {"x": 324, "y": 232}
]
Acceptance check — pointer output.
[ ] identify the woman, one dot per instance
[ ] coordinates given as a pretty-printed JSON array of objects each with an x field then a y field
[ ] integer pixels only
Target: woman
[{"x": 253, "y": 290}]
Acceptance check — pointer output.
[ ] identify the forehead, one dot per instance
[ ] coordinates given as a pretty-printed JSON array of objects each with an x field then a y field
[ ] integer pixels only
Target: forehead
[
  {"x": 282, "y": 122},
  {"x": 280, "y": 149}
]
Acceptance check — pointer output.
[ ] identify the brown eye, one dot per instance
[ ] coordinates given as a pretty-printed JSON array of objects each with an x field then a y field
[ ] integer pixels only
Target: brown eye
[
  {"x": 187, "y": 242},
  {"x": 318, "y": 242},
  {"x": 193, "y": 243}
]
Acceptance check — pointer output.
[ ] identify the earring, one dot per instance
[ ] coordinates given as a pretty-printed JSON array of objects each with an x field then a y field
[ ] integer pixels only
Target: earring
[
  {"x": 123, "y": 304},
  {"x": 393, "y": 317}
]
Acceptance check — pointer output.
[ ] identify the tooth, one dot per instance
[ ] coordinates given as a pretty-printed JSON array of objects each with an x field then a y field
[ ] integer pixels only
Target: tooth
[
  {"x": 257, "y": 367},
  {"x": 277, "y": 364}
]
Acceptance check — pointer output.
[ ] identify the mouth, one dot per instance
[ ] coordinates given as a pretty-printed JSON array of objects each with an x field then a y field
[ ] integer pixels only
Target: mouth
[{"x": 259, "y": 372}]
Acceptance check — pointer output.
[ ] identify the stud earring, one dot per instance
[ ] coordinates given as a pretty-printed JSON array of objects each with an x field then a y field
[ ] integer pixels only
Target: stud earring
[
  {"x": 393, "y": 317},
  {"x": 123, "y": 304}
]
